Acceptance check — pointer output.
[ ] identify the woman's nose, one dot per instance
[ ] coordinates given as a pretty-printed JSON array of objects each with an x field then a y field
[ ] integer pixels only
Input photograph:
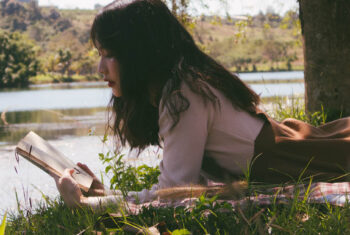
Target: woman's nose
[{"x": 101, "y": 68}]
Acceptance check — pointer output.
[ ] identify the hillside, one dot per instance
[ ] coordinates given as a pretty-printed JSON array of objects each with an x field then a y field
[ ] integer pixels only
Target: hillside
[{"x": 262, "y": 42}]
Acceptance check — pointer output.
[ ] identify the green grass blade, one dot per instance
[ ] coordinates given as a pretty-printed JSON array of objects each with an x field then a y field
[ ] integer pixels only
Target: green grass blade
[
  {"x": 3, "y": 225},
  {"x": 306, "y": 194},
  {"x": 304, "y": 170}
]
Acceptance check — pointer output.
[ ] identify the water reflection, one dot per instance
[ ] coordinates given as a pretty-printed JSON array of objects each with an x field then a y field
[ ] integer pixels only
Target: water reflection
[
  {"x": 54, "y": 110},
  {"x": 54, "y": 99},
  {"x": 51, "y": 124}
]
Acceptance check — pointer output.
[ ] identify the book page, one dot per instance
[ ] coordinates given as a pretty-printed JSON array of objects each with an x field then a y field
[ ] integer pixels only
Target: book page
[{"x": 41, "y": 153}]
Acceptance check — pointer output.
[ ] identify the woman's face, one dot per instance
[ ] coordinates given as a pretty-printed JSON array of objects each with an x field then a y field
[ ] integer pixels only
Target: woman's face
[{"x": 109, "y": 67}]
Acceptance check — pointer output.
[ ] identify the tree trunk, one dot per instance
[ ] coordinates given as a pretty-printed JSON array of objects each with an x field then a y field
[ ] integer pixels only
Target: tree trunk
[{"x": 326, "y": 34}]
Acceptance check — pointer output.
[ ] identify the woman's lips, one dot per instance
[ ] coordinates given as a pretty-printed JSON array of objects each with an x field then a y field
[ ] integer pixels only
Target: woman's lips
[{"x": 110, "y": 83}]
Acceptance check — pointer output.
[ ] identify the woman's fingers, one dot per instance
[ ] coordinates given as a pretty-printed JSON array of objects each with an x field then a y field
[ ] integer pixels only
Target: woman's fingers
[
  {"x": 68, "y": 172},
  {"x": 67, "y": 181},
  {"x": 97, "y": 192},
  {"x": 69, "y": 188},
  {"x": 97, "y": 188},
  {"x": 86, "y": 168},
  {"x": 54, "y": 176}
]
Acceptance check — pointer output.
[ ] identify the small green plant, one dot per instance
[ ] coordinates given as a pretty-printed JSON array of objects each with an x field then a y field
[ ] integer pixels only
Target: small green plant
[{"x": 128, "y": 178}]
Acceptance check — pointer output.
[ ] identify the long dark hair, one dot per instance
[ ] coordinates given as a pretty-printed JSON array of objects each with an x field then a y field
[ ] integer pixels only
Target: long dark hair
[{"x": 156, "y": 54}]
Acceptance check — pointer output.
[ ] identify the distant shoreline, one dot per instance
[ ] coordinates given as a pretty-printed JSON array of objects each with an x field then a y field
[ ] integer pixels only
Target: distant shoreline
[{"x": 55, "y": 79}]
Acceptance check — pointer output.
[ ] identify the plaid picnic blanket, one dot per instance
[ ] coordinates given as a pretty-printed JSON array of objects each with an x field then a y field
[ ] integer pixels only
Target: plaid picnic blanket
[{"x": 336, "y": 194}]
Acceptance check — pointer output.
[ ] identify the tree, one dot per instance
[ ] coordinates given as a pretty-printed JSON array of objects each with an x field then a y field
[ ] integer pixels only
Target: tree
[
  {"x": 275, "y": 51},
  {"x": 179, "y": 8},
  {"x": 86, "y": 64},
  {"x": 64, "y": 58},
  {"x": 326, "y": 33},
  {"x": 18, "y": 60}
]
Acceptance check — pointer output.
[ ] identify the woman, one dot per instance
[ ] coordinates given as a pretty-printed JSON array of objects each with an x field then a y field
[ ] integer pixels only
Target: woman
[{"x": 167, "y": 92}]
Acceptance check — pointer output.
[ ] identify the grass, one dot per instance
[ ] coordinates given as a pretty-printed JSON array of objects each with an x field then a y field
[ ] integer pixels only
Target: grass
[
  {"x": 294, "y": 107},
  {"x": 3, "y": 225},
  {"x": 207, "y": 216}
]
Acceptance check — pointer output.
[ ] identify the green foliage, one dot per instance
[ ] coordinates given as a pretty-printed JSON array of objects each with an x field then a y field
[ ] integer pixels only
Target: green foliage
[
  {"x": 242, "y": 52},
  {"x": 53, "y": 29},
  {"x": 181, "y": 232},
  {"x": 127, "y": 178},
  {"x": 295, "y": 108},
  {"x": 20, "y": 15},
  {"x": 52, "y": 217},
  {"x": 64, "y": 59},
  {"x": 209, "y": 216},
  {"x": 239, "y": 44},
  {"x": 17, "y": 60},
  {"x": 206, "y": 216},
  {"x": 3, "y": 225},
  {"x": 241, "y": 26},
  {"x": 87, "y": 63}
]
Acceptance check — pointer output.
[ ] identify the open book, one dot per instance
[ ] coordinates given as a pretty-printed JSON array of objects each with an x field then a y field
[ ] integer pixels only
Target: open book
[{"x": 39, "y": 152}]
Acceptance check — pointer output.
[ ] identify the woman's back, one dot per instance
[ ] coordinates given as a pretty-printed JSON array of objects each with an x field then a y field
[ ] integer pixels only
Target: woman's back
[{"x": 219, "y": 131}]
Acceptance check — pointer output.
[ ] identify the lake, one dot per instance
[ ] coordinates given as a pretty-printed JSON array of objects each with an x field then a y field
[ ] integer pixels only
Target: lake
[
  {"x": 290, "y": 75},
  {"x": 72, "y": 117},
  {"x": 96, "y": 94}
]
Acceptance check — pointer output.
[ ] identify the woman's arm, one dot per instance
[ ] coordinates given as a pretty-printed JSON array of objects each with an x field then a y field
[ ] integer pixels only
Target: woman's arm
[
  {"x": 73, "y": 197},
  {"x": 184, "y": 145}
]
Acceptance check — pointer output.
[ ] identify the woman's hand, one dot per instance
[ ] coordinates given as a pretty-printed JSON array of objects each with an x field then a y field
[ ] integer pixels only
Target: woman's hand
[
  {"x": 69, "y": 188},
  {"x": 97, "y": 188}
]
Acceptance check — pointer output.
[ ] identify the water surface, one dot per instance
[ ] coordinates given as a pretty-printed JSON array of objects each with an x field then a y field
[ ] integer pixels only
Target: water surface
[
  {"x": 54, "y": 99},
  {"x": 271, "y": 75}
]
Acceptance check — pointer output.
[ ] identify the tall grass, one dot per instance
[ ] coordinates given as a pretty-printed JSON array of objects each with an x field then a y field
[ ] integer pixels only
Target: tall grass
[
  {"x": 294, "y": 107},
  {"x": 207, "y": 216}
]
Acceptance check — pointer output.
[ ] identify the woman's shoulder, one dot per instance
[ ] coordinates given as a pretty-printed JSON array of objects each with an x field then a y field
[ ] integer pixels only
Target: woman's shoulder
[
  {"x": 189, "y": 105},
  {"x": 192, "y": 93},
  {"x": 188, "y": 97}
]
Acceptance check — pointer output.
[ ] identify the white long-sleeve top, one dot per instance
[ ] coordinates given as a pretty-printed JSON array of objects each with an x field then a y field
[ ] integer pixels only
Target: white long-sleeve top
[{"x": 222, "y": 132}]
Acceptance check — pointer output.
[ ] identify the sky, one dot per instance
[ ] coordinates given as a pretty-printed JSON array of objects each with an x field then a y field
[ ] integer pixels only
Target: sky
[{"x": 235, "y": 7}]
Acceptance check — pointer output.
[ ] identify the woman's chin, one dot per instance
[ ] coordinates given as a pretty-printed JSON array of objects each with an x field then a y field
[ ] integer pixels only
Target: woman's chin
[{"x": 116, "y": 93}]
